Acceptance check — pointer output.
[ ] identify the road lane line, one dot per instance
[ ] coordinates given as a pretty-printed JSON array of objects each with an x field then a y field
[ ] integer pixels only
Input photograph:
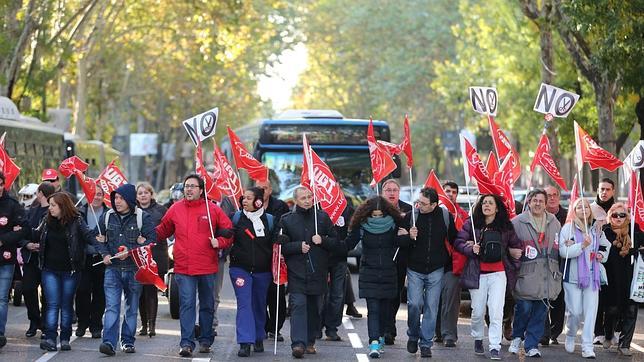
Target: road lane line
[
  {"x": 346, "y": 322},
  {"x": 362, "y": 357},
  {"x": 355, "y": 340},
  {"x": 201, "y": 360},
  {"x": 49, "y": 355},
  {"x": 637, "y": 347}
]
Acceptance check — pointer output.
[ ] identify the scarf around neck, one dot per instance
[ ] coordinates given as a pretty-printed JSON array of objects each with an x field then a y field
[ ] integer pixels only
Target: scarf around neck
[
  {"x": 255, "y": 218},
  {"x": 583, "y": 270},
  {"x": 378, "y": 225},
  {"x": 623, "y": 239},
  {"x": 606, "y": 205}
]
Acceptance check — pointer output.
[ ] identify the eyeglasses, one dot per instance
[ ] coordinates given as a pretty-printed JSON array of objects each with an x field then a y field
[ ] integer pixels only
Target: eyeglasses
[
  {"x": 190, "y": 186},
  {"x": 618, "y": 215},
  {"x": 422, "y": 203}
]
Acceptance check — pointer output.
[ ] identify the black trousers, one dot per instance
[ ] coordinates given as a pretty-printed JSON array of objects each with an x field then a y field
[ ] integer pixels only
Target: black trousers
[
  {"x": 305, "y": 318},
  {"x": 90, "y": 295},
  {"x": 394, "y": 304},
  {"x": 30, "y": 283},
  {"x": 271, "y": 301},
  {"x": 333, "y": 301},
  {"x": 555, "y": 319},
  {"x": 149, "y": 303},
  {"x": 601, "y": 312},
  {"x": 349, "y": 296},
  {"x": 624, "y": 316}
]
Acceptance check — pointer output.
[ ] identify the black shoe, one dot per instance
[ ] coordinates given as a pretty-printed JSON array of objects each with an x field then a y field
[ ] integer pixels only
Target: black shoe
[
  {"x": 297, "y": 351},
  {"x": 554, "y": 341},
  {"x": 33, "y": 329},
  {"x": 438, "y": 339},
  {"x": 412, "y": 346},
  {"x": 259, "y": 346},
  {"x": 244, "y": 350},
  {"x": 426, "y": 352},
  {"x": 545, "y": 341},
  {"x": 48, "y": 345},
  {"x": 106, "y": 348},
  {"x": 449, "y": 343},
  {"x": 333, "y": 336},
  {"x": 352, "y": 311},
  {"x": 96, "y": 335},
  {"x": 128, "y": 348},
  {"x": 390, "y": 339},
  {"x": 64, "y": 346},
  {"x": 144, "y": 330},
  {"x": 185, "y": 351},
  {"x": 80, "y": 331},
  {"x": 478, "y": 347},
  {"x": 3, "y": 341},
  {"x": 204, "y": 348}
]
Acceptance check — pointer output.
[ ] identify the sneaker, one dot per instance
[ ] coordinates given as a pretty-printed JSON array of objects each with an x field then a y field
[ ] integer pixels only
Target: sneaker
[
  {"x": 280, "y": 337},
  {"x": 258, "y": 346},
  {"x": 128, "y": 348},
  {"x": 204, "y": 348},
  {"x": 353, "y": 312},
  {"x": 478, "y": 347},
  {"x": 554, "y": 341},
  {"x": 495, "y": 354},
  {"x": 381, "y": 345},
  {"x": 570, "y": 344},
  {"x": 449, "y": 343},
  {"x": 534, "y": 352},
  {"x": 106, "y": 348},
  {"x": 412, "y": 346},
  {"x": 96, "y": 335},
  {"x": 374, "y": 349},
  {"x": 297, "y": 351},
  {"x": 64, "y": 346},
  {"x": 185, "y": 351},
  {"x": 3, "y": 341},
  {"x": 48, "y": 345},
  {"x": 599, "y": 340},
  {"x": 588, "y": 353},
  {"x": 270, "y": 335},
  {"x": 244, "y": 350},
  {"x": 426, "y": 352},
  {"x": 624, "y": 352},
  {"x": 515, "y": 345}
]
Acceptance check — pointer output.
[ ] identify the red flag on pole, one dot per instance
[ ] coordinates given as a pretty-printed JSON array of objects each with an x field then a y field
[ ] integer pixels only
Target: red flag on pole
[
  {"x": 327, "y": 190},
  {"x": 8, "y": 168},
  {"x": 476, "y": 170},
  {"x": 635, "y": 198},
  {"x": 243, "y": 159},
  {"x": 504, "y": 148},
  {"x": 542, "y": 158},
  {"x": 279, "y": 264},
  {"x": 406, "y": 143},
  {"x": 228, "y": 180},
  {"x": 212, "y": 191},
  {"x": 148, "y": 272},
  {"x": 433, "y": 182},
  {"x": 587, "y": 150},
  {"x": 492, "y": 165},
  {"x": 574, "y": 195},
  {"x": 109, "y": 180},
  {"x": 504, "y": 181},
  {"x": 381, "y": 162},
  {"x": 69, "y": 165},
  {"x": 88, "y": 185},
  {"x": 391, "y": 148}
]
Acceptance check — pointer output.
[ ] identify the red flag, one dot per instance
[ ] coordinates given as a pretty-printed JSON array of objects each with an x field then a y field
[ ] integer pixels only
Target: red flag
[
  {"x": 88, "y": 185},
  {"x": 109, "y": 180},
  {"x": 504, "y": 148},
  {"x": 492, "y": 165},
  {"x": 391, "y": 148},
  {"x": 148, "y": 271},
  {"x": 476, "y": 170},
  {"x": 278, "y": 262},
  {"x": 574, "y": 195},
  {"x": 212, "y": 191},
  {"x": 504, "y": 181},
  {"x": 406, "y": 143},
  {"x": 443, "y": 199},
  {"x": 69, "y": 166},
  {"x": 587, "y": 150},
  {"x": 327, "y": 189},
  {"x": 228, "y": 179},
  {"x": 243, "y": 159},
  {"x": 381, "y": 162},
  {"x": 8, "y": 168},
  {"x": 542, "y": 157},
  {"x": 638, "y": 201}
]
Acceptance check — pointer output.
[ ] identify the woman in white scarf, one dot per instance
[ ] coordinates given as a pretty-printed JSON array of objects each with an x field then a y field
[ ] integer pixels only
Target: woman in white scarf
[{"x": 250, "y": 269}]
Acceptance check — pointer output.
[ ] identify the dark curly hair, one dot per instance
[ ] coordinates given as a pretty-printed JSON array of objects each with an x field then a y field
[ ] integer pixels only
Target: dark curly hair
[
  {"x": 374, "y": 203},
  {"x": 501, "y": 220}
]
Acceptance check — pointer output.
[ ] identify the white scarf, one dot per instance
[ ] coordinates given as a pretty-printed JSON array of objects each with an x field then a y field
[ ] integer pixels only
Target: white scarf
[{"x": 255, "y": 217}]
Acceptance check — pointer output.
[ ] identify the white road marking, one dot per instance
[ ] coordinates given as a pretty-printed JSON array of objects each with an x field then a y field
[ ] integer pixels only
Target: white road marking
[
  {"x": 362, "y": 357},
  {"x": 49, "y": 355},
  {"x": 355, "y": 340},
  {"x": 201, "y": 360},
  {"x": 637, "y": 347},
  {"x": 346, "y": 323}
]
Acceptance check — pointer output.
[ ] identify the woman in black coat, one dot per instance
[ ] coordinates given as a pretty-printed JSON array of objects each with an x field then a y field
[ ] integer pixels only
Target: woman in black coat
[
  {"x": 149, "y": 300},
  {"x": 378, "y": 225}
]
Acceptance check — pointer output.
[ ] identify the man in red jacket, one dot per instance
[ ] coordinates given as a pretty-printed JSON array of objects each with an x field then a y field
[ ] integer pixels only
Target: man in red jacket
[{"x": 195, "y": 258}]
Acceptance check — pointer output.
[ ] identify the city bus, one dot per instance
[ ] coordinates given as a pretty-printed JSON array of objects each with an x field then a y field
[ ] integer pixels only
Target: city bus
[{"x": 340, "y": 142}]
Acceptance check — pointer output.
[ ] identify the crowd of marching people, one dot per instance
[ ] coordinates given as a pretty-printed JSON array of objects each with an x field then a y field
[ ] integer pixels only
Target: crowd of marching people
[{"x": 527, "y": 275}]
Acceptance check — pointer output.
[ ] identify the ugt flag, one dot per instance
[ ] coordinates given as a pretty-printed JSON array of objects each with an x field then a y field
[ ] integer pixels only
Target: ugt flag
[
  {"x": 109, "y": 180},
  {"x": 69, "y": 165},
  {"x": 381, "y": 162},
  {"x": 148, "y": 271},
  {"x": 542, "y": 158},
  {"x": 587, "y": 150}
]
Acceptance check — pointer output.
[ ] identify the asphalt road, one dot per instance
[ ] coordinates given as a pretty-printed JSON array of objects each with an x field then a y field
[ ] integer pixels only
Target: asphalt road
[{"x": 353, "y": 347}]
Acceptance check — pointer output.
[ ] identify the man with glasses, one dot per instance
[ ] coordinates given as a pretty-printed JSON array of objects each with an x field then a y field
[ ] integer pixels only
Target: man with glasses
[
  {"x": 196, "y": 255},
  {"x": 426, "y": 264},
  {"x": 11, "y": 215},
  {"x": 391, "y": 192}
]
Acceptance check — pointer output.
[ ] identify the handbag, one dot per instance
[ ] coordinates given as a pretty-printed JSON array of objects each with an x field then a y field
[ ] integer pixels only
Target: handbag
[{"x": 637, "y": 285}]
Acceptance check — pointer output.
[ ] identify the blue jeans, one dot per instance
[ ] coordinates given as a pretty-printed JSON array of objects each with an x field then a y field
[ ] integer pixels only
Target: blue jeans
[
  {"x": 59, "y": 288},
  {"x": 188, "y": 286},
  {"x": 119, "y": 282},
  {"x": 250, "y": 290},
  {"x": 423, "y": 295},
  {"x": 529, "y": 319},
  {"x": 6, "y": 276}
]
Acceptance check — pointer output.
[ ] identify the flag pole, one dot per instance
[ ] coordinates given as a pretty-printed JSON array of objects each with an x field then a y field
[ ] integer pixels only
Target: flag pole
[
  {"x": 89, "y": 206},
  {"x": 467, "y": 188},
  {"x": 411, "y": 187},
  {"x": 79, "y": 200},
  {"x": 637, "y": 188},
  {"x": 580, "y": 167},
  {"x": 277, "y": 297}
]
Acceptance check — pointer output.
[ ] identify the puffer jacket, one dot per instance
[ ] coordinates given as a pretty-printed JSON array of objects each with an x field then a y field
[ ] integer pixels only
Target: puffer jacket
[
  {"x": 252, "y": 253},
  {"x": 574, "y": 251},
  {"x": 78, "y": 237},
  {"x": 307, "y": 273},
  {"x": 539, "y": 277}
]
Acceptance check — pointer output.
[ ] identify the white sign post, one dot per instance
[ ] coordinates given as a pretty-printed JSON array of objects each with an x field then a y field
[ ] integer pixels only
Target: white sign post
[
  {"x": 555, "y": 101},
  {"x": 484, "y": 100},
  {"x": 202, "y": 126}
]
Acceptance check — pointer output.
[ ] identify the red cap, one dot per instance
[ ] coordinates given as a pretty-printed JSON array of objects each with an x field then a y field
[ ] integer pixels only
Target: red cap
[{"x": 49, "y": 174}]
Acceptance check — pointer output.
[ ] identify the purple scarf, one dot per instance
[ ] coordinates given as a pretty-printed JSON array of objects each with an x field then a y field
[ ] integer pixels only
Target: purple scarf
[{"x": 583, "y": 271}]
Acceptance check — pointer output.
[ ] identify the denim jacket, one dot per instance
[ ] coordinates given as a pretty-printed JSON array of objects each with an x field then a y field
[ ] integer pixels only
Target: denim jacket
[{"x": 123, "y": 231}]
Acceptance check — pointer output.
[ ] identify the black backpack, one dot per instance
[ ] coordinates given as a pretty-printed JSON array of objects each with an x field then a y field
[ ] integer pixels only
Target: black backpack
[{"x": 492, "y": 250}]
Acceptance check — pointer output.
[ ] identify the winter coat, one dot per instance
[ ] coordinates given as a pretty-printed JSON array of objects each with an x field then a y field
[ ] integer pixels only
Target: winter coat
[
  {"x": 619, "y": 269},
  {"x": 34, "y": 216},
  {"x": 472, "y": 272},
  {"x": 86, "y": 215},
  {"x": 160, "y": 250},
  {"x": 78, "y": 237},
  {"x": 11, "y": 214},
  {"x": 539, "y": 276},
  {"x": 428, "y": 252},
  {"x": 572, "y": 252},
  {"x": 307, "y": 273},
  {"x": 378, "y": 274},
  {"x": 253, "y": 254},
  {"x": 188, "y": 221}
]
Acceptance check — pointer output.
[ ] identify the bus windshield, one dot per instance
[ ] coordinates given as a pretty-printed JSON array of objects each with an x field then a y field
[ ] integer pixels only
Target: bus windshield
[{"x": 351, "y": 169}]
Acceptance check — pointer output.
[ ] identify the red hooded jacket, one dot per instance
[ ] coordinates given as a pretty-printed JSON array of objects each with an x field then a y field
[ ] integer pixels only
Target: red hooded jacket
[{"x": 188, "y": 221}]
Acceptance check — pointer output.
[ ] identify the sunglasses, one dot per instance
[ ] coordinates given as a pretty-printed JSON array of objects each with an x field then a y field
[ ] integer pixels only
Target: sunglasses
[{"x": 619, "y": 215}]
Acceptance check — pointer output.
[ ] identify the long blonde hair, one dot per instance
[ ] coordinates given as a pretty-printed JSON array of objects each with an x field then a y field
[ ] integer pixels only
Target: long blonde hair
[
  {"x": 581, "y": 223},
  {"x": 623, "y": 239}
]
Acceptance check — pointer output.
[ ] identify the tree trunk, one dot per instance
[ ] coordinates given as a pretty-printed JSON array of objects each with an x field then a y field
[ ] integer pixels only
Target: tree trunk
[
  {"x": 605, "y": 96},
  {"x": 81, "y": 98}
]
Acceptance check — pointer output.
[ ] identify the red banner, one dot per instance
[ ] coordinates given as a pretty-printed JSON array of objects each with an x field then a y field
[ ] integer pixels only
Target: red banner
[
  {"x": 635, "y": 198},
  {"x": 492, "y": 165},
  {"x": 212, "y": 191},
  {"x": 476, "y": 170},
  {"x": 148, "y": 271},
  {"x": 443, "y": 199},
  {"x": 109, "y": 180},
  {"x": 243, "y": 159},
  {"x": 227, "y": 178},
  {"x": 279, "y": 264},
  {"x": 542, "y": 158},
  {"x": 8, "y": 168},
  {"x": 88, "y": 185},
  {"x": 587, "y": 150},
  {"x": 406, "y": 143},
  {"x": 70, "y": 165},
  {"x": 504, "y": 181},
  {"x": 381, "y": 162},
  {"x": 504, "y": 149},
  {"x": 391, "y": 148}
]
